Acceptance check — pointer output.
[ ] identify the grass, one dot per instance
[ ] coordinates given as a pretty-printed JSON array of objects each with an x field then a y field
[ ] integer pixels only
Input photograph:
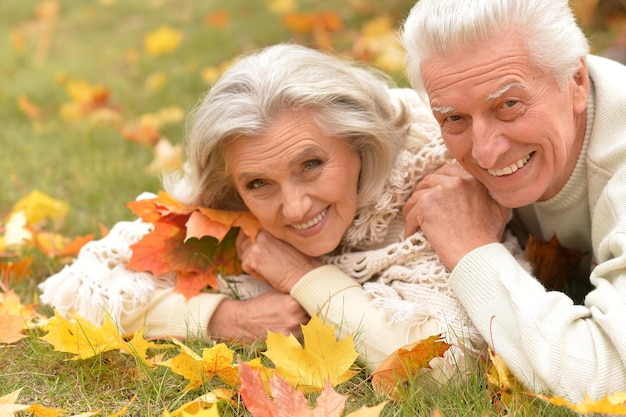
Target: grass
[{"x": 96, "y": 171}]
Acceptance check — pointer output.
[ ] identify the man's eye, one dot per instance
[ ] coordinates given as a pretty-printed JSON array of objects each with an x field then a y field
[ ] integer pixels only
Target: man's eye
[
  {"x": 453, "y": 118},
  {"x": 252, "y": 185},
  {"x": 510, "y": 103}
]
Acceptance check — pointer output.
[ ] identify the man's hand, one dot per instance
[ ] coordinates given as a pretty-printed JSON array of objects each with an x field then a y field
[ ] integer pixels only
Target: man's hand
[
  {"x": 249, "y": 320},
  {"x": 455, "y": 212}
]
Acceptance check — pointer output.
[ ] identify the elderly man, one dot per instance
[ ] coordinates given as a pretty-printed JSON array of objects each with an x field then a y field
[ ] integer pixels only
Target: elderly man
[{"x": 538, "y": 126}]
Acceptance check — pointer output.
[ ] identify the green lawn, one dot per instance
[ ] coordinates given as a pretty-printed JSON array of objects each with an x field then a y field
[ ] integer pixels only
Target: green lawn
[{"x": 88, "y": 164}]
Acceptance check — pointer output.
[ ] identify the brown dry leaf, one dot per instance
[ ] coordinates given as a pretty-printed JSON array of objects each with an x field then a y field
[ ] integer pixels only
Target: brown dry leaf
[
  {"x": 556, "y": 267},
  {"x": 389, "y": 378}
]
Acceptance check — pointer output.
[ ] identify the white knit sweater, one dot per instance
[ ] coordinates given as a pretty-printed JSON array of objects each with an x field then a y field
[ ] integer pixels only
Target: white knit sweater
[{"x": 387, "y": 290}]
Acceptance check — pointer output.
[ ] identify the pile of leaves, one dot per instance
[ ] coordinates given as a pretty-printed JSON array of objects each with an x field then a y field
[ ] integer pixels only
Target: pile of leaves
[
  {"x": 280, "y": 382},
  {"x": 286, "y": 378}
]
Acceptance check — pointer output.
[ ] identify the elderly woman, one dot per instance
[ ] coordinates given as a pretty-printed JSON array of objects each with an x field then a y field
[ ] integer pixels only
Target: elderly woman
[{"x": 324, "y": 153}]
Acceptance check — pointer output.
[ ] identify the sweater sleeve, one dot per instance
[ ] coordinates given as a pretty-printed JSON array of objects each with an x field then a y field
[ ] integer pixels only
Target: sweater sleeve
[
  {"x": 548, "y": 343},
  {"x": 168, "y": 313},
  {"x": 338, "y": 299}
]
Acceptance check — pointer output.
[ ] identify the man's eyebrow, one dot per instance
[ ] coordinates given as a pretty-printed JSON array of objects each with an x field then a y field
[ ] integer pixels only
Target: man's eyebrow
[
  {"x": 504, "y": 89},
  {"x": 443, "y": 110}
]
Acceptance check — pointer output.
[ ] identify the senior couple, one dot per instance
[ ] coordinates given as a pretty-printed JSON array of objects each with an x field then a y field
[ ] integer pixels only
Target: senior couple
[{"x": 389, "y": 211}]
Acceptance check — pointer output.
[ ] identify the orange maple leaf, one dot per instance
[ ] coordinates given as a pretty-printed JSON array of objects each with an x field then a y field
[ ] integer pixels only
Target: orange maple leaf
[
  {"x": 15, "y": 272},
  {"x": 196, "y": 243},
  {"x": 290, "y": 402},
  {"x": 73, "y": 247},
  {"x": 389, "y": 378},
  {"x": 14, "y": 317}
]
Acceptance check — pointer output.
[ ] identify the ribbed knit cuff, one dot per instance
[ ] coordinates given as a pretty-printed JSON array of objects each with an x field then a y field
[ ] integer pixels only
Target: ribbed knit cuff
[
  {"x": 318, "y": 287},
  {"x": 177, "y": 317}
]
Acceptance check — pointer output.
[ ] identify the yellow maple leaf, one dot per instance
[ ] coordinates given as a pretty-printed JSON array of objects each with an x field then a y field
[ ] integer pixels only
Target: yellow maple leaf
[
  {"x": 138, "y": 346},
  {"x": 194, "y": 409},
  {"x": 612, "y": 404},
  {"x": 162, "y": 41},
  {"x": 205, "y": 405},
  {"x": 502, "y": 387},
  {"x": 199, "y": 369},
  {"x": 280, "y": 6},
  {"x": 82, "y": 338},
  {"x": 322, "y": 358},
  {"x": 8, "y": 406},
  {"x": 41, "y": 411},
  {"x": 38, "y": 206},
  {"x": 167, "y": 157},
  {"x": 17, "y": 233}
]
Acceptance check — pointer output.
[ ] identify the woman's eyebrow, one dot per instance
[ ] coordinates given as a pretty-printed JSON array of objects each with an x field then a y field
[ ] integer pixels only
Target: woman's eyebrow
[{"x": 307, "y": 152}]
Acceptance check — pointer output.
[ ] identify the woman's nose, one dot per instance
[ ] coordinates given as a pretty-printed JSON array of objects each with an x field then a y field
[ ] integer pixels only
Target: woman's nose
[{"x": 296, "y": 203}]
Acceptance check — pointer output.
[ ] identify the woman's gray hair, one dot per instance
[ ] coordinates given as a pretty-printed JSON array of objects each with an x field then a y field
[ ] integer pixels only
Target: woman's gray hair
[
  {"x": 548, "y": 27},
  {"x": 347, "y": 101}
]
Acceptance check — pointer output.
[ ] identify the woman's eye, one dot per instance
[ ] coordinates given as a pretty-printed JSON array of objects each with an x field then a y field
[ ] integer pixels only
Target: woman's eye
[
  {"x": 252, "y": 185},
  {"x": 313, "y": 163}
]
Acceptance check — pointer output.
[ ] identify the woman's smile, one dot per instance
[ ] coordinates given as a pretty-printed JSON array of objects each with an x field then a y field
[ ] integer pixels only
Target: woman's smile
[{"x": 314, "y": 221}]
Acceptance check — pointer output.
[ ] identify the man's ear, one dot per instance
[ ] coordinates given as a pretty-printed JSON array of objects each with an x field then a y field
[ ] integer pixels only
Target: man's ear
[{"x": 581, "y": 87}]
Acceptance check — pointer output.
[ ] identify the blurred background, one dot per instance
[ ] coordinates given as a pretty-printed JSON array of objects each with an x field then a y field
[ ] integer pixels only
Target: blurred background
[{"x": 95, "y": 93}]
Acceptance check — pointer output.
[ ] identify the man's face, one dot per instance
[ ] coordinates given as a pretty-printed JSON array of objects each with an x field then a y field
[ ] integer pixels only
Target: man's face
[{"x": 505, "y": 121}]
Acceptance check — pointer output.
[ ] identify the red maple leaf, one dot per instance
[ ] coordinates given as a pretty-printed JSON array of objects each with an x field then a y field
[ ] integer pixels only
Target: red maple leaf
[{"x": 196, "y": 243}]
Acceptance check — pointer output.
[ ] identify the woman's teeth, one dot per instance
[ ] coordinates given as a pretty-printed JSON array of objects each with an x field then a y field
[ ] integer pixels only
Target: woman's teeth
[
  {"x": 511, "y": 168},
  {"x": 311, "y": 222}
]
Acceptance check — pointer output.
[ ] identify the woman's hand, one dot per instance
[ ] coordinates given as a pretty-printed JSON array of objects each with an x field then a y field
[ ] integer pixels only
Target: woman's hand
[
  {"x": 455, "y": 212},
  {"x": 249, "y": 320},
  {"x": 273, "y": 261}
]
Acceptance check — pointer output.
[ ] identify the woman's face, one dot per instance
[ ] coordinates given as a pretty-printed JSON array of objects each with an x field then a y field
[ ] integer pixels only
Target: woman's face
[{"x": 300, "y": 183}]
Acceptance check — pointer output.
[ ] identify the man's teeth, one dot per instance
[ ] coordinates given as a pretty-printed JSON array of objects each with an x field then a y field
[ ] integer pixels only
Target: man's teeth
[
  {"x": 511, "y": 168},
  {"x": 311, "y": 222}
]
